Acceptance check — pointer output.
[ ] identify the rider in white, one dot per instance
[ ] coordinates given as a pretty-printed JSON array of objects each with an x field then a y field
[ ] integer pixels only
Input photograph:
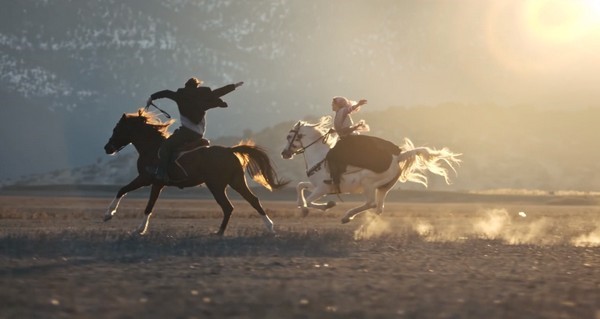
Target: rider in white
[
  {"x": 344, "y": 126},
  {"x": 342, "y": 122}
]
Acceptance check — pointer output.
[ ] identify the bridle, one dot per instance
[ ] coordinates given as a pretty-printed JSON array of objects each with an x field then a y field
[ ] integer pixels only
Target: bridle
[
  {"x": 112, "y": 141},
  {"x": 302, "y": 149},
  {"x": 117, "y": 149}
]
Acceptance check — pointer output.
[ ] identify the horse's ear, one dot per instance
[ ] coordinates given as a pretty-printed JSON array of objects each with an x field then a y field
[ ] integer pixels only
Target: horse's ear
[
  {"x": 124, "y": 116},
  {"x": 142, "y": 116}
]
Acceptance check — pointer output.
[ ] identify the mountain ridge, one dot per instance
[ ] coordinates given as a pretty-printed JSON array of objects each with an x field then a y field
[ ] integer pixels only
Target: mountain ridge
[
  {"x": 518, "y": 148},
  {"x": 69, "y": 69}
]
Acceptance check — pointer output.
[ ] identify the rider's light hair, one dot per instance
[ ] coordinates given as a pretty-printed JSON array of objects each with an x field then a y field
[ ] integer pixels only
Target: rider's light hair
[{"x": 341, "y": 102}]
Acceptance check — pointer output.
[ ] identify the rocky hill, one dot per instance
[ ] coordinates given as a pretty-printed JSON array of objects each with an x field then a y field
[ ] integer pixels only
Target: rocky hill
[
  {"x": 68, "y": 69},
  {"x": 518, "y": 148}
]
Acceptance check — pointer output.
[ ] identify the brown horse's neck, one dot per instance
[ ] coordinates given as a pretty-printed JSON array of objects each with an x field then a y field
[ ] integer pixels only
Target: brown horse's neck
[{"x": 148, "y": 146}]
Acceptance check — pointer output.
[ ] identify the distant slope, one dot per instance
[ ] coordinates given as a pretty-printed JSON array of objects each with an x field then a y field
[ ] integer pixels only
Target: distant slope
[{"x": 520, "y": 148}]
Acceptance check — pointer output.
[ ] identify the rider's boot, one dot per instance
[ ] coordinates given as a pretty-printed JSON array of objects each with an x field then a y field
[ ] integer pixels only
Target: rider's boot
[
  {"x": 335, "y": 173},
  {"x": 160, "y": 172}
]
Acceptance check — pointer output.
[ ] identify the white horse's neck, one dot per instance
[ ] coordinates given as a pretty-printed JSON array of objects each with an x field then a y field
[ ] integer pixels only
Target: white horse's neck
[{"x": 316, "y": 152}]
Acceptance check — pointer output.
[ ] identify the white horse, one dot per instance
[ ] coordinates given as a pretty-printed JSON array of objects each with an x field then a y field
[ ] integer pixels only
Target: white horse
[{"x": 315, "y": 140}]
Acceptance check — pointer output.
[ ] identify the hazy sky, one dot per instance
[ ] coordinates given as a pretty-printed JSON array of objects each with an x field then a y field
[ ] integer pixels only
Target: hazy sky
[
  {"x": 294, "y": 56},
  {"x": 535, "y": 52},
  {"x": 542, "y": 52}
]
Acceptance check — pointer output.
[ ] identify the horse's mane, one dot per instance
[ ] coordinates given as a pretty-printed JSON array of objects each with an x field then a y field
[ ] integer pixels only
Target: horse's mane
[
  {"x": 323, "y": 126},
  {"x": 151, "y": 120}
]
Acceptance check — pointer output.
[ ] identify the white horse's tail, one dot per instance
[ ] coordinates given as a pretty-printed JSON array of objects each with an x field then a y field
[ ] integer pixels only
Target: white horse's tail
[{"x": 416, "y": 161}]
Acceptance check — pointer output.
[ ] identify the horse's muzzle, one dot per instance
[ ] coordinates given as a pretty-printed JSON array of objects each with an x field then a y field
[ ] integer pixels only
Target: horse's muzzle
[
  {"x": 287, "y": 154},
  {"x": 109, "y": 148}
]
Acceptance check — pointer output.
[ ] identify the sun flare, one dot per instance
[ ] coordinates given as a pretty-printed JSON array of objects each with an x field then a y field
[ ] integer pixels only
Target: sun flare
[
  {"x": 542, "y": 35},
  {"x": 561, "y": 21}
]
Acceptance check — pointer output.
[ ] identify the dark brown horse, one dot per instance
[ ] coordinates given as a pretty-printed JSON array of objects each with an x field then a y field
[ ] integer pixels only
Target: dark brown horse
[{"x": 215, "y": 166}]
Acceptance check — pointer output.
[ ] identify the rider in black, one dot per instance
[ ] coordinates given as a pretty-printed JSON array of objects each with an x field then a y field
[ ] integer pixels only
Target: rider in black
[{"x": 193, "y": 101}]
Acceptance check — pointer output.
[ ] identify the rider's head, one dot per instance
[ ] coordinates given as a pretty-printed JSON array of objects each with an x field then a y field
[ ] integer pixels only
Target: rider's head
[
  {"x": 193, "y": 83},
  {"x": 340, "y": 102}
]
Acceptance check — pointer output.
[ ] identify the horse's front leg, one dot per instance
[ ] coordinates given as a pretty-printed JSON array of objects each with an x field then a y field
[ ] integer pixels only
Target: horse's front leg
[
  {"x": 300, "y": 188},
  {"x": 133, "y": 185},
  {"x": 317, "y": 193},
  {"x": 154, "y": 193}
]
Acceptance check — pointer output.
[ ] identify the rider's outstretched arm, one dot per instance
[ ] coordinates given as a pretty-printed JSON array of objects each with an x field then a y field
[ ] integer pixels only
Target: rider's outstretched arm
[{"x": 226, "y": 89}]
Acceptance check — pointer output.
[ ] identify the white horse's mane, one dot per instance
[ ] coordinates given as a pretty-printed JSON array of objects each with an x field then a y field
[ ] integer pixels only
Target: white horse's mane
[{"x": 322, "y": 127}]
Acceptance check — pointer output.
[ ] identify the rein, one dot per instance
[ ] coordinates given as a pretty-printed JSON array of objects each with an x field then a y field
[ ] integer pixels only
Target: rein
[
  {"x": 315, "y": 168},
  {"x": 158, "y": 108},
  {"x": 303, "y": 148}
]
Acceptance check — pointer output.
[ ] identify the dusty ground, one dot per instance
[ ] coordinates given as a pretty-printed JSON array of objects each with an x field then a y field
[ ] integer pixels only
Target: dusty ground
[{"x": 421, "y": 260}]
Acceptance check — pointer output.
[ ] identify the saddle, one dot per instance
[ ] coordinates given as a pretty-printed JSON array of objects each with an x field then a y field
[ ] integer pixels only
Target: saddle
[
  {"x": 364, "y": 151},
  {"x": 176, "y": 172},
  {"x": 192, "y": 145}
]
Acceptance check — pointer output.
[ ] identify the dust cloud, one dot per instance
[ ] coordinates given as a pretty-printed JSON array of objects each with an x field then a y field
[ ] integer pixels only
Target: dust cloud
[
  {"x": 591, "y": 239},
  {"x": 514, "y": 229},
  {"x": 511, "y": 228},
  {"x": 373, "y": 227}
]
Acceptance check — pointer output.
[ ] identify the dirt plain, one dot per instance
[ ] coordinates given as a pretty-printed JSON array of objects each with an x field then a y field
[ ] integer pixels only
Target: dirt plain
[{"x": 488, "y": 258}]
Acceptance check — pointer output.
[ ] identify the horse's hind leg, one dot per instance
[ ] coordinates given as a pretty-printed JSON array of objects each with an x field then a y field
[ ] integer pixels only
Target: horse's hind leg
[
  {"x": 370, "y": 203},
  {"x": 240, "y": 186},
  {"x": 355, "y": 211},
  {"x": 218, "y": 192},
  {"x": 381, "y": 193}
]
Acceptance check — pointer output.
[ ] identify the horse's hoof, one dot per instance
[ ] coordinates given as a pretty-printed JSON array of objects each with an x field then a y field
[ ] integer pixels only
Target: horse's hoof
[
  {"x": 217, "y": 234},
  {"x": 135, "y": 234},
  {"x": 107, "y": 217},
  {"x": 304, "y": 211},
  {"x": 345, "y": 220},
  {"x": 330, "y": 204},
  {"x": 139, "y": 232},
  {"x": 271, "y": 234}
]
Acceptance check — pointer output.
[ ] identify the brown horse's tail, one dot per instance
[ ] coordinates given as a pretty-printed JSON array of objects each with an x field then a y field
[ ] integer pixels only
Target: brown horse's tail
[{"x": 258, "y": 165}]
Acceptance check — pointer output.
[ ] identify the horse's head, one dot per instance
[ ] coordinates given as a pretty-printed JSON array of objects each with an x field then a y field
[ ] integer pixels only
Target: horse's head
[
  {"x": 121, "y": 136},
  {"x": 294, "y": 141},
  {"x": 131, "y": 127},
  {"x": 303, "y": 135}
]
